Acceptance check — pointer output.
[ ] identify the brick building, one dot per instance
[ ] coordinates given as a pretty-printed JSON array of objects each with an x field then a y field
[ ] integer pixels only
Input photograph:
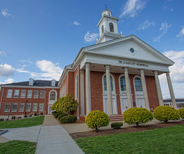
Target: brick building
[{"x": 116, "y": 73}]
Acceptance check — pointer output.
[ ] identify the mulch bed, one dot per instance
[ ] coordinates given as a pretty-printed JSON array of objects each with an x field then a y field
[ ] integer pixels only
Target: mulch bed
[
  {"x": 77, "y": 122},
  {"x": 124, "y": 130},
  {"x": 1, "y": 130}
]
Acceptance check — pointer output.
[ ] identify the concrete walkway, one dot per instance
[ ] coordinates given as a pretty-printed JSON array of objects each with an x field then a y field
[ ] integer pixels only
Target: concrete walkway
[
  {"x": 53, "y": 138},
  {"x": 24, "y": 134},
  {"x": 3, "y": 139}
]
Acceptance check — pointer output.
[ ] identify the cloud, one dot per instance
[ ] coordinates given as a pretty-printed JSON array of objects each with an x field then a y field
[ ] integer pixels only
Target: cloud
[
  {"x": 26, "y": 61},
  {"x": 164, "y": 28},
  {"x": 76, "y": 23},
  {"x": 181, "y": 33},
  {"x": 9, "y": 80},
  {"x": 50, "y": 70},
  {"x": 2, "y": 53},
  {"x": 21, "y": 70},
  {"x": 6, "y": 70},
  {"x": 5, "y": 13},
  {"x": 132, "y": 7},
  {"x": 176, "y": 74},
  {"x": 91, "y": 37},
  {"x": 146, "y": 24}
]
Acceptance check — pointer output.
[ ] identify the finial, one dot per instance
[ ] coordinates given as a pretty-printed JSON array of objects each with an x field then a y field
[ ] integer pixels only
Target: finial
[{"x": 105, "y": 6}]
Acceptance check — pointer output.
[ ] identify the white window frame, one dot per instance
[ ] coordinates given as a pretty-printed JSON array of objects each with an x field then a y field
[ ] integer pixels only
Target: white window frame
[
  {"x": 43, "y": 93},
  {"x": 16, "y": 95},
  {"x": 5, "y": 110},
  {"x": 13, "y": 106},
  {"x": 35, "y": 96},
  {"x": 9, "y": 96},
  {"x": 113, "y": 82},
  {"x": 76, "y": 87},
  {"x": 50, "y": 95},
  {"x": 35, "y": 104},
  {"x": 137, "y": 92},
  {"x": 40, "y": 106},
  {"x": 122, "y": 75},
  {"x": 28, "y": 93},
  {"x": 26, "y": 107},
  {"x": 23, "y": 107},
  {"x": 21, "y": 95}
]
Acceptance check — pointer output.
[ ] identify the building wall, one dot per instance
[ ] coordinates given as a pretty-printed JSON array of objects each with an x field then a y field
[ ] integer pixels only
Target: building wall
[{"x": 25, "y": 100}]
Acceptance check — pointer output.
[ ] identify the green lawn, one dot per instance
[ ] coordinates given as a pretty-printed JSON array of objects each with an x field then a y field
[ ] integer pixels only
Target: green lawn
[
  {"x": 168, "y": 140},
  {"x": 22, "y": 122},
  {"x": 17, "y": 147}
]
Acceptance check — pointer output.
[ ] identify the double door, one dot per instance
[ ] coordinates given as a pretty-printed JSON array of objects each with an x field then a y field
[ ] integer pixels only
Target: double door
[{"x": 114, "y": 106}]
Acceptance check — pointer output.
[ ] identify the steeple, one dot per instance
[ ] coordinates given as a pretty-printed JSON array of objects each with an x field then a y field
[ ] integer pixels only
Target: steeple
[{"x": 108, "y": 27}]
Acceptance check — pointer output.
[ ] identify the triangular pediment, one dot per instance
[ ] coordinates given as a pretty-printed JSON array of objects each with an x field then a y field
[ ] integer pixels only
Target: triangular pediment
[{"x": 130, "y": 48}]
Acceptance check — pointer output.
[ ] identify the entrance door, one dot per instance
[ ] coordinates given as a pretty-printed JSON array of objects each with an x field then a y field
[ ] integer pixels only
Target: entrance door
[
  {"x": 124, "y": 104},
  {"x": 49, "y": 110},
  {"x": 140, "y": 102}
]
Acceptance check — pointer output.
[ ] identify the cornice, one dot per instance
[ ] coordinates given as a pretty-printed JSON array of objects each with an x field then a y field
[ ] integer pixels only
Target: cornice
[{"x": 32, "y": 87}]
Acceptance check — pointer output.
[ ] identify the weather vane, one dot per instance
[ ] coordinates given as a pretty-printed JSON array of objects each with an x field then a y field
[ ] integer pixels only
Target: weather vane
[{"x": 105, "y": 6}]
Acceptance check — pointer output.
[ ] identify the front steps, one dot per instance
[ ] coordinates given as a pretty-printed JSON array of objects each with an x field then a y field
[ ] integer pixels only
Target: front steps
[{"x": 116, "y": 117}]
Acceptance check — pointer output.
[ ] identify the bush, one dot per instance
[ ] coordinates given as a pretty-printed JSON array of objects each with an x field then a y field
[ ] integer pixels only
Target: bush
[
  {"x": 181, "y": 110},
  {"x": 57, "y": 114},
  {"x": 13, "y": 117},
  {"x": 96, "y": 119},
  {"x": 116, "y": 125},
  {"x": 137, "y": 115},
  {"x": 165, "y": 113},
  {"x": 30, "y": 115},
  {"x": 25, "y": 116},
  {"x": 35, "y": 114},
  {"x": 61, "y": 115},
  {"x": 1, "y": 119},
  {"x": 41, "y": 113},
  {"x": 68, "y": 119}
]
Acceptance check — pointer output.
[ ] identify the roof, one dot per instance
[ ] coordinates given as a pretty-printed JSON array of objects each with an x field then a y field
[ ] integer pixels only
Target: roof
[
  {"x": 40, "y": 83},
  {"x": 177, "y": 100}
]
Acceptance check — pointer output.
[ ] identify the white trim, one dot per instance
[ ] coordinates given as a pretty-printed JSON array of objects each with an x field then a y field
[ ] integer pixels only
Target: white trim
[
  {"x": 52, "y": 101},
  {"x": 32, "y": 87},
  {"x": 121, "y": 92},
  {"x": 76, "y": 86},
  {"x": 137, "y": 92}
]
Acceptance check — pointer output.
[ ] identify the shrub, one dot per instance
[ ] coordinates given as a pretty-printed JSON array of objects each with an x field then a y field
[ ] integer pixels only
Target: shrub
[
  {"x": 57, "y": 114},
  {"x": 61, "y": 115},
  {"x": 1, "y": 119},
  {"x": 13, "y": 117},
  {"x": 96, "y": 119},
  {"x": 25, "y": 116},
  {"x": 137, "y": 115},
  {"x": 35, "y": 114},
  {"x": 68, "y": 119},
  {"x": 41, "y": 113},
  {"x": 30, "y": 115},
  {"x": 165, "y": 113},
  {"x": 181, "y": 110},
  {"x": 116, "y": 125}
]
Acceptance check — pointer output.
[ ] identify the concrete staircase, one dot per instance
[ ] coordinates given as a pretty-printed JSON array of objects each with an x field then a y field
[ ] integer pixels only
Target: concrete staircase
[{"x": 116, "y": 118}]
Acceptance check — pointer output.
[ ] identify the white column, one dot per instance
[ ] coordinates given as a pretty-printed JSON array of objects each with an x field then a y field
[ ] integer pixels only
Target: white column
[
  {"x": 128, "y": 88},
  {"x": 88, "y": 89},
  {"x": 171, "y": 90},
  {"x": 159, "y": 93},
  {"x": 82, "y": 92},
  {"x": 109, "y": 92},
  {"x": 144, "y": 90}
]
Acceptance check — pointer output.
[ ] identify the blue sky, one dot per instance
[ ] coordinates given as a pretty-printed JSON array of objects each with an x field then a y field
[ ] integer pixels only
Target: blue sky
[{"x": 39, "y": 37}]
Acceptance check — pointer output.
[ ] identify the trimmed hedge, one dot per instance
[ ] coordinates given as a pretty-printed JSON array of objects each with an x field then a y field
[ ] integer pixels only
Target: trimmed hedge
[
  {"x": 61, "y": 115},
  {"x": 96, "y": 119},
  {"x": 57, "y": 114},
  {"x": 116, "y": 125},
  {"x": 165, "y": 113},
  {"x": 137, "y": 115},
  {"x": 68, "y": 119},
  {"x": 181, "y": 110}
]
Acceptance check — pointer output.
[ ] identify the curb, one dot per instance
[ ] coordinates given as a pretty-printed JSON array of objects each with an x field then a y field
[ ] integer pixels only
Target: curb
[{"x": 4, "y": 131}]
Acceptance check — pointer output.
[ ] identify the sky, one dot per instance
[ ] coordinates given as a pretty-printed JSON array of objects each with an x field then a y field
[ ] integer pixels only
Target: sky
[{"x": 38, "y": 38}]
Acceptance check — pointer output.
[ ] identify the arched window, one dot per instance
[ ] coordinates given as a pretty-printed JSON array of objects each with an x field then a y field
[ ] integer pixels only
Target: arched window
[
  {"x": 105, "y": 83},
  {"x": 76, "y": 87},
  {"x": 138, "y": 84},
  {"x": 102, "y": 29},
  {"x": 52, "y": 95},
  {"x": 122, "y": 83},
  {"x": 111, "y": 26}
]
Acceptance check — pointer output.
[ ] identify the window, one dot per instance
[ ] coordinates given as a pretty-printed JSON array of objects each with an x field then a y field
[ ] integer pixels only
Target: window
[
  {"x": 53, "y": 83},
  {"x": 9, "y": 93},
  {"x": 28, "y": 107},
  {"x": 35, "y": 105},
  {"x": 102, "y": 29},
  {"x": 14, "y": 107},
  {"x": 41, "y": 107},
  {"x": 16, "y": 94},
  {"x": 105, "y": 83},
  {"x": 111, "y": 26},
  {"x": 21, "y": 107},
  {"x": 76, "y": 87},
  {"x": 35, "y": 93},
  {"x": 138, "y": 85},
  {"x": 42, "y": 94},
  {"x": 7, "y": 107},
  {"x": 29, "y": 94},
  {"x": 23, "y": 94},
  {"x": 52, "y": 95},
  {"x": 122, "y": 83}
]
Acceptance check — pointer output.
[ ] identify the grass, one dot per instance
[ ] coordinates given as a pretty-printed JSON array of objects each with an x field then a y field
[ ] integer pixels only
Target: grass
[
  {"x": 22, "y": 122},
  {"x": 17, "y": 147},
  {"x": 167, "y": 140}
]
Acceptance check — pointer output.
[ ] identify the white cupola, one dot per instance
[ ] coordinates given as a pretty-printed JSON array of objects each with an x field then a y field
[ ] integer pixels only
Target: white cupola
[
  {"x": 108, "y": 27},
  {"x": 31, "y": 82}
]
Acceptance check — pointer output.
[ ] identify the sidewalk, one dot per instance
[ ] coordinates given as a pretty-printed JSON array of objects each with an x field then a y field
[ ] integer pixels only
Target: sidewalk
[{"x": 53, "y": 138}]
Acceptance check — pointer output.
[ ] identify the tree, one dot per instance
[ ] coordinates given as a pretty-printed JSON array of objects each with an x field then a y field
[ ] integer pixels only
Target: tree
[{"x": 65, "y": 104}]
